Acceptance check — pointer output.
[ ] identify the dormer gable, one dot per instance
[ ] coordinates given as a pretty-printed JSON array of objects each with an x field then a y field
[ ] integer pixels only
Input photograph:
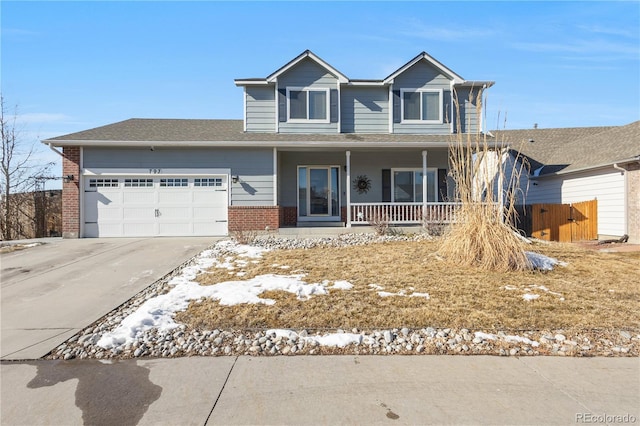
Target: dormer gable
[{"x": 429, "y": 60}]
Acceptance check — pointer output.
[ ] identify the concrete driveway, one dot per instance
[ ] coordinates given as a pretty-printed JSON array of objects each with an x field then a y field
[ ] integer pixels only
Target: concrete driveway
[{"x": 50, "y": 292}]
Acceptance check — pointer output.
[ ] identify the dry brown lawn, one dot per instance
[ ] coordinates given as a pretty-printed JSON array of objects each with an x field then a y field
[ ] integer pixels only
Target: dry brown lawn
[{"x": 594, "y": 291}]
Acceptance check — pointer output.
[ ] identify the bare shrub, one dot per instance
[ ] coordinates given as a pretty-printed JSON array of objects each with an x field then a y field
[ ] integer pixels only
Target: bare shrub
[
  {"x": 487, "y": 185},
  {"x": 243, "y": 235},
  {"x": 380, "y": 222}
]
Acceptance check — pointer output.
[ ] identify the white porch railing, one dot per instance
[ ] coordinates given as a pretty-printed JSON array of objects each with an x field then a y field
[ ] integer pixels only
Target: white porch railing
[{"x": 403, "y": 213}]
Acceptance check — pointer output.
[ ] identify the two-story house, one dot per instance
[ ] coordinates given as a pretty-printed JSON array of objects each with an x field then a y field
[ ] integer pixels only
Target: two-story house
[{"x": 313, "y": 146}]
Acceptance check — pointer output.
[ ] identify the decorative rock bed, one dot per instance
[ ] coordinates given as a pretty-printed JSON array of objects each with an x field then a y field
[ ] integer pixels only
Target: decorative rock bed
[{"x": 181, "y": 341}]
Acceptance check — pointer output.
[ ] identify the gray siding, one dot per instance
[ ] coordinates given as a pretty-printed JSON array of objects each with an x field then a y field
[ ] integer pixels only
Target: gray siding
[
  {"x": 365, "y": 109},
  {"x": 254, "y": 167},
  {"x": 424, "y": 76},
  {"x": 308, "y": 74},
  {"x": 261, "y": 109},
  {"x": 469, "y": 117}
]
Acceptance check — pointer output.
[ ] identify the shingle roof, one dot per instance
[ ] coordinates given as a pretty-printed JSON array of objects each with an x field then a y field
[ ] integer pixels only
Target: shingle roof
[
  {"x": 177, "y": 130},
  {"x": 563, "y": 150}
]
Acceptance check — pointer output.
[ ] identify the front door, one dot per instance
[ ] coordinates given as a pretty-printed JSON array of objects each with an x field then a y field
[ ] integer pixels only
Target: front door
[{"x": 318, "y": 193}]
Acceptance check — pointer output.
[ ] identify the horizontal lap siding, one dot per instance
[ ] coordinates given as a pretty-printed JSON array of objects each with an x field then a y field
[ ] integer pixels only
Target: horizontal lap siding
[
  {"x": 308, "y": 74},
  {"x": 261, "y": 109},
  {"x": 424, "y": 76},
  {"x": 365, "y": 110},
  {"x": 253, "y": 167}
]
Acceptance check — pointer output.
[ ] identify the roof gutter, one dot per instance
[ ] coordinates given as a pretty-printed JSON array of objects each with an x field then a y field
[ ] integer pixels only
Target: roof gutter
[
  {"x": 52, "y": 148},
  {"x": 253, "y": 144}
]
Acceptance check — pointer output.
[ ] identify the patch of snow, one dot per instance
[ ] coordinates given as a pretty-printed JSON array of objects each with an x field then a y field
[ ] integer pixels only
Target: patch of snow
[
  {"x": 519, "y": 339},
  {"x": 386, "y": 294},
  {"x": 542, "y": 262},
  {"x": 485, "y": 336},
  {"x": 425, "y": 295},
  {"x": 342, "y": 285},
  {"x": 340, "y": 340},
  {"x": 529, "y": 296},
  {"x": 376, "y": 287},
  {"x": 510, "y": 287}
]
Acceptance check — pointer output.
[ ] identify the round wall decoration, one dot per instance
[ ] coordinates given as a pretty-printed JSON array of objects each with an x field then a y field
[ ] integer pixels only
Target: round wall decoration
[{"x": 362, "y": 184}]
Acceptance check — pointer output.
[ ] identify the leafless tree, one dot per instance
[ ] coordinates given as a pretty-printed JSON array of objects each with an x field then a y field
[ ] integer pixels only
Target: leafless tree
[{"x": 19, "y": 173}]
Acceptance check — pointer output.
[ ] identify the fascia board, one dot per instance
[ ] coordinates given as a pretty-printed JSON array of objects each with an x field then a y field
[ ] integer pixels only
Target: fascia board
[{"x": 253, "y": 144}]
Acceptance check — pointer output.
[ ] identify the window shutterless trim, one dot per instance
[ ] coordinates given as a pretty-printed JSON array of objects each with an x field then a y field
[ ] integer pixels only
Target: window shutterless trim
[
  {"x": 326, "y": 90},
  {"x": 420, "y": 120}
]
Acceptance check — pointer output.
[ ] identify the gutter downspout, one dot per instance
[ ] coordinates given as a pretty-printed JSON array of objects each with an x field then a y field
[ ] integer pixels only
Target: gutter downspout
[
  {"x": 52, "y": 148},
  {"x": 624, "y": 197}
]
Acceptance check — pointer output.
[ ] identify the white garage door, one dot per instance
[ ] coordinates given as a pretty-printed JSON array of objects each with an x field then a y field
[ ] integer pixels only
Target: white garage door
[{"x": 155, "y": 206}]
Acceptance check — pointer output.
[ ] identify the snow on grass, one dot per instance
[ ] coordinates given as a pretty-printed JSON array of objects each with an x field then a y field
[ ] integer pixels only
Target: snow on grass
[
  {"x": 158, "y": 311},
  {"x": 529, "y": 296},
  {"x": 542, "y": 262},
  {"x": 401, "y": 293}
]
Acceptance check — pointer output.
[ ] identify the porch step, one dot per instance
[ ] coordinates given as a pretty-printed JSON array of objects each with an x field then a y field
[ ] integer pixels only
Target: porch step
[{"x": 320, "y": 224}]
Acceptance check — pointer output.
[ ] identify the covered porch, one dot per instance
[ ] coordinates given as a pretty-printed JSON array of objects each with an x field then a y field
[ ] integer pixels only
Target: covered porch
[{"x": 364, "y": 186}]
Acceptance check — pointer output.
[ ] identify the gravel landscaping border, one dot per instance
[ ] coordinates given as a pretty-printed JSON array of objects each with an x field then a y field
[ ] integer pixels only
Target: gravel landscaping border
[{"x": 182, "y": 342}]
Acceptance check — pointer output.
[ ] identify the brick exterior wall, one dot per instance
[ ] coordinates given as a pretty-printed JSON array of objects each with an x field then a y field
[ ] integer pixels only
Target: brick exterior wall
[
  {"x": 71, "y": 192},
  {"x": 288, "y": 216},
  {"x": 633, "y": 202},
  {"x": 250, "y": 218}
]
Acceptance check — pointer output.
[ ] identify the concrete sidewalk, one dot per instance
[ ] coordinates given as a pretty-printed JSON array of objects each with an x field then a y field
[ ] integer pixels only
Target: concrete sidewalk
[
  {"x": 51, "y": 291},
  {"x": 323, "y": 390}
]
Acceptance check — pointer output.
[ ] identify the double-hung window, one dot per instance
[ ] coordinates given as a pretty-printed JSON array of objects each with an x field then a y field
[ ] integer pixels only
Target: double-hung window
[
  {"x": 421, "y": 105},
  {"x": 407, "y": 185},
  {"x": 307, "y": 104}
]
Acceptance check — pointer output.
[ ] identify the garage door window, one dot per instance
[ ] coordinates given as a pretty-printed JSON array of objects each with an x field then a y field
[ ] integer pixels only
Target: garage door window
[
  {"x": 174, "y": 182},
  {"x": 138, "y": 183},
  {"x": 207, "y": 182},
  {"x": 103, "y": 183}
]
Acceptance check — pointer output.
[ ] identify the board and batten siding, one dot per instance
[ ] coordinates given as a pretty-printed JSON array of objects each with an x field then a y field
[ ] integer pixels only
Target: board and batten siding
[
  {"x": 364, "y": 109},
  {"x": 260, "y": 109},
  {"x": 470, "y": 120},
  {"x": 254, "y": 167},
  {"x": 308, "y": 74},
  {"x": 424, "y": 76},
  {"x": 607, "y": 186}
]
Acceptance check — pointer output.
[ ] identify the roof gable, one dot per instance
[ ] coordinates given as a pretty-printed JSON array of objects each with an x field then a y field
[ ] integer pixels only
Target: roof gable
[
  {"x": 312, "y": 56},
  {"x": 432, "y": 61}
]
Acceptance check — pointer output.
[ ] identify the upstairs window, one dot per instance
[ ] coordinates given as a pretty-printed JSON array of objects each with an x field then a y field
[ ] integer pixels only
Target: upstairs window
[
  {"x": 306, "y": 104},
  {"x": 421, "y": 105}
]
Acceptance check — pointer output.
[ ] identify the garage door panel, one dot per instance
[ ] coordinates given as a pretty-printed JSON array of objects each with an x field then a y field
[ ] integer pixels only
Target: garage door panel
[
  {"x": 131, "y": 206},
  {"x": 174, "y": 197},
  {"x": 139, "y": 229},
  {"x": 135, "y": 213},
  {"x": 139, "y": 197}
]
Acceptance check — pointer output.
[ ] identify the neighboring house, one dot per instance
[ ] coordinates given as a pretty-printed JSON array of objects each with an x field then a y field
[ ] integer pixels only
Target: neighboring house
[
  {"x": 581, "y": 164},
  {"x": 314, "y": 147}
]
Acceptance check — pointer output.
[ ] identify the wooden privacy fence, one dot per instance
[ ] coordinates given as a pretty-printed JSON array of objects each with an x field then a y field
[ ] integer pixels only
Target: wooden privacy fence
[{"x": 565, "y": 222}]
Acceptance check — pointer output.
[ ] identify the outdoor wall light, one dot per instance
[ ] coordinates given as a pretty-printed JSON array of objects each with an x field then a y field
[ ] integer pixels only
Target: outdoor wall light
[
  {"x": 68, "y": 178},
  {"x": 235, "y": 178}
]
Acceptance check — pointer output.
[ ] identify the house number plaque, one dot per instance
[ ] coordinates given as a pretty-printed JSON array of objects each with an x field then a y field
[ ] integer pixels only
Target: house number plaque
[{"x": 155, "y": 171}]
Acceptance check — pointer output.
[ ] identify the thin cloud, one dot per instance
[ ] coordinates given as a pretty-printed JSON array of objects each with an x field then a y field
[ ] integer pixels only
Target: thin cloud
[
  {"x": 43, "y": 117},
  {"x": 418, "y": 29},
  {"x": 580, "y": 46},
  {"x": 597, "y": 29}
]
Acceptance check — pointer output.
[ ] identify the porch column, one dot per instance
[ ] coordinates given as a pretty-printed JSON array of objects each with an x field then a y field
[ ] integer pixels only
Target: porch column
[
  {"x": 348, "y": 188},
  {"x": 275, "y": 176},
  {"x": 424, "y": 184}
]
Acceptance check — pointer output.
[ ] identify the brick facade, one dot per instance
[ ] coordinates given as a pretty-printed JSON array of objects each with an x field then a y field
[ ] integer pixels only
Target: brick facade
[
  {"x": 249, "y": 218},
  {"x": 633, "y": 202},
  {"x": 71, "y": 192},
  {"x": 288, "y": 216}
]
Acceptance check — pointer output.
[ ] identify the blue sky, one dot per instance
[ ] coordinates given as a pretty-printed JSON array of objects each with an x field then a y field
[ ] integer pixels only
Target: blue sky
[{"x": 71, "y": 66}]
